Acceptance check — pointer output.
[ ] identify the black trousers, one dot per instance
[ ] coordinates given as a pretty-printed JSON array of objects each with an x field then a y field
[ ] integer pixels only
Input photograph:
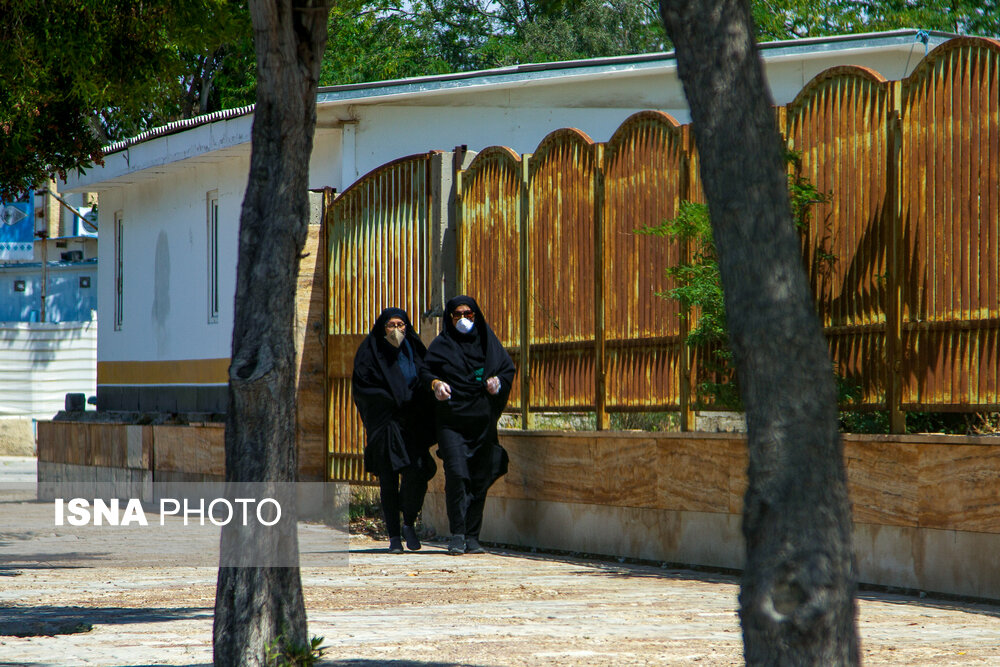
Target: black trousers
[
  {"x": 401, "y": 492},
  {"x": 466, "y": 452}
]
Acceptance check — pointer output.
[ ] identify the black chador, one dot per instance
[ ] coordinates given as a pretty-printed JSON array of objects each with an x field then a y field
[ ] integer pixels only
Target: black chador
[
  {"x": 470, "y": 364},
  {"x": 397, "y": 413}
]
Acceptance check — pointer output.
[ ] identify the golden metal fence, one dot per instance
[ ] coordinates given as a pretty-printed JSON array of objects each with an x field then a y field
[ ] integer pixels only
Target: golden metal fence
[
  {"x": 950, "y": 229},
  {"x": 378, "y": 257},
  {"x": 902, "y": 259}
]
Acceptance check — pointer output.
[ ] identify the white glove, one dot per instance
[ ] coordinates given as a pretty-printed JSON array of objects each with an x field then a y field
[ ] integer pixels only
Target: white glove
[
  {"x": 442, "y": 391},
  {"x": 493, "y": 385}
]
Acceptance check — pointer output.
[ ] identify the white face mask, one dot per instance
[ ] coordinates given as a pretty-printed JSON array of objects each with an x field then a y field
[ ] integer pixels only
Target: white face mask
[
  {"x": 464, "y": 325},
  {"x": 395, "y": 337}
]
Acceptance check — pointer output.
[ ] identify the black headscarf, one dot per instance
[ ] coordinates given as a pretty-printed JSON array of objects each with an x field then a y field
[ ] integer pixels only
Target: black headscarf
[
  {"x": 455, "y": 358},
  {"x": 395, "y": 410}
]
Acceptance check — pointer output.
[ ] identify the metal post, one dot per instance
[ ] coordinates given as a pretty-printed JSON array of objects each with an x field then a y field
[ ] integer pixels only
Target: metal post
[
  {"x": 600, "y": 399},
  {"x": 44, "y": 236},
  {"x": 687, "y": 415},
  {"x": 894, "y": 286},
  {"x": 524, "y": 208},
  {"x": 329, "y": 194}
]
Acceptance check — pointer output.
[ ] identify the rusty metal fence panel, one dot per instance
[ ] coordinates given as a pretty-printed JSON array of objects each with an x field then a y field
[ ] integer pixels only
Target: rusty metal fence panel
[
  {"x": 950, "y": 187},
  {"x": 840, "y": 123},
  {"x": 562, "y": 179},
  {"x": 646, "y": 176},
  {"x": 378, "y": 257},
  {"x": 490, "y": 193}
]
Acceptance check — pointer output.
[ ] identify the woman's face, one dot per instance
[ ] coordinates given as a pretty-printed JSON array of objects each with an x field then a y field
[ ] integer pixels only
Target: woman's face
[
  {"x": 460, "y": 312},
  {"x": 395, "y": 323}
]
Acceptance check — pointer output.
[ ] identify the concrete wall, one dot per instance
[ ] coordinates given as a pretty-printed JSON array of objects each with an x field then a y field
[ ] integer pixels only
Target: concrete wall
[{"x": 926, "y": 508}]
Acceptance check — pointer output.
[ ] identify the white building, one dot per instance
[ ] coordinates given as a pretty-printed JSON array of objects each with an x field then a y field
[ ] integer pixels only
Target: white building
[{"x": 170, "y": 198}]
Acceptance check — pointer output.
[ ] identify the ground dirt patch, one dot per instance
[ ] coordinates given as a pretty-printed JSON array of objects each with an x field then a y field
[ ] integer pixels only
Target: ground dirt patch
[
  {"x": 17, "y": 436},
  {"x": 427, "y": 608}
]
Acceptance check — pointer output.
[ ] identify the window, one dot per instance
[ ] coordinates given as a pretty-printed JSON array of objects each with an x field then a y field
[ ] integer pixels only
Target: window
[
  {"x": 213, "y": 257},
  {"x": 119, "y": 271}
]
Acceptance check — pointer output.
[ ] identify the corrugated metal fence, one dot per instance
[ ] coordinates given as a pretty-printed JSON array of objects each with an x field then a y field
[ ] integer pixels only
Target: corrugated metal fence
[
  {"x": 910, "y": 302},
  {"x": 378, "y": 256},
  {"x": 41, "y": 362}
]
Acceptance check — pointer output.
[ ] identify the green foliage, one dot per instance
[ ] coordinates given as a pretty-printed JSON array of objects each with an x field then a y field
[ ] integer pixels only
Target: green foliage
[
  {"x": 75, "y": 76},
  {"x": 365, "y": 512},
  {"x": 281, "y": 653},
  {"x": 699, "y": 290},
  {"x": 645, "y": 421},
  {"x": 374, "y": 41},
  {"x": 698, "y": 285},
  {"x": 583, "y": 29},
  {"x": 792, "y": 19},
  {"x": 365, "y": 503},
  {"x": 950, "y": 423},
  {"x": 385, "y": 39}
]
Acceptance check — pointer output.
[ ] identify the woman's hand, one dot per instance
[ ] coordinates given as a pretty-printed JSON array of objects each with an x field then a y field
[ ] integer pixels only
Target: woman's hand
[
  {"x": 442, "y": 391},
  {"x": 493, "y": 385}
]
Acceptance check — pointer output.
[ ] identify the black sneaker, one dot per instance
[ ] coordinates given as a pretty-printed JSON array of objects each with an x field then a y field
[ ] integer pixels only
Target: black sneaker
[
  {"x": 472, "y": 546},
  {"x": 395, "y": 545},
  {"x": 410, "y": 535},
  {"x": 456, "y": 545}
]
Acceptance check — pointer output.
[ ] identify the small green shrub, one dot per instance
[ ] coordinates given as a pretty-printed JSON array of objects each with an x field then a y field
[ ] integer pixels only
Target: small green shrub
[
  {"x": 645, "y": 421},
  {"x": 280, "y": 653},
  {"x": 699, "y": 286}
]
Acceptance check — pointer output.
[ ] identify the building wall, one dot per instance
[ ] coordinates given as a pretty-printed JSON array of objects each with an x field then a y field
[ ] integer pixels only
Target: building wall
[
  {"x": 167, "y": 355},
  {"x": 166, "y": 338}
]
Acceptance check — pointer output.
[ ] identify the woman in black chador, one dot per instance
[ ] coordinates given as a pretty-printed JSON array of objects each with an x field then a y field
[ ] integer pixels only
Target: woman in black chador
[
  {"x": 470, "y": 374},
  {"x": 398, "y": 416}
]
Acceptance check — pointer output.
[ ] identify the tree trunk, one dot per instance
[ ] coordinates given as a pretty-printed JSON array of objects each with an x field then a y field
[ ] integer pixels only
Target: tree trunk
[
  {"x": 256, "y": 605},
  {"x": 797, "y": 593}
]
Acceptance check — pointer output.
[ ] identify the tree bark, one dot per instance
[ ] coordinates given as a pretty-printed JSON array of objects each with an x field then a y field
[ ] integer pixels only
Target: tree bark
[
  {"x": 256, "y": 605},
  {"x": 797, "y": 602}
]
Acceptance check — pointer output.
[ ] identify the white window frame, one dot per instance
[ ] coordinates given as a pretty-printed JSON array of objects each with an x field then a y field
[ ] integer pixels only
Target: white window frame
[
  {"x": 212, "y": 257},
  {"x": 119, "y": 245}
]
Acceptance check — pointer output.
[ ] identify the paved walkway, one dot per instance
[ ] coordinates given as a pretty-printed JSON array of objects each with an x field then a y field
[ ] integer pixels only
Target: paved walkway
[{"x": 430, "y": 609}]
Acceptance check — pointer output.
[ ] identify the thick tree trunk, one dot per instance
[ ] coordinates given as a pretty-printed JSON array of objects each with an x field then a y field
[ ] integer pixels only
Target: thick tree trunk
[
  {"x": 256, "y": 605},
  {"x": 797, "y": 595}
]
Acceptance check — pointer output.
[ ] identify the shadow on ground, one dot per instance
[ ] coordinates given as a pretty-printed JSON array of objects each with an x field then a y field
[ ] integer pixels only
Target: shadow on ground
[
  {"x": 46, "y": 621},
  {"x": 968, "y": 606}
]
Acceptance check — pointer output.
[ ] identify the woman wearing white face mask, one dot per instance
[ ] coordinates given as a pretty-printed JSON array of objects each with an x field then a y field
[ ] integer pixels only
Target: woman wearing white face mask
[
  {"x": 470, "y": 374},
  {"x": 399, "y": 425}
]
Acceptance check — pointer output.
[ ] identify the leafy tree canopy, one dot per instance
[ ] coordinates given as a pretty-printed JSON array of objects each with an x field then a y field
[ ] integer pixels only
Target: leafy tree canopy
[
  {"x": 791, "y": 19},
  {"x": 384, "y": 39},
  {"x": 84, "y": 72}
]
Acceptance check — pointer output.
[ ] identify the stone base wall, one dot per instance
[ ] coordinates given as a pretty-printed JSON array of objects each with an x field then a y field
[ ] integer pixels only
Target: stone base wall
[{"x": 926, "y": 508}]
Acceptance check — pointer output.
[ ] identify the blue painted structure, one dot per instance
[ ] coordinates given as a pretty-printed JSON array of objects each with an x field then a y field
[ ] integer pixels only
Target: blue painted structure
[{"x": 71, "y": 293}]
